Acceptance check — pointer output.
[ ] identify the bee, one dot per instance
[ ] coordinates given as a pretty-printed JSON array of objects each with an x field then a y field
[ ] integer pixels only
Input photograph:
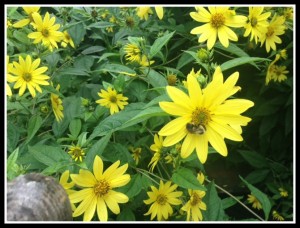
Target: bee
[{"x": 195, "y": 129}]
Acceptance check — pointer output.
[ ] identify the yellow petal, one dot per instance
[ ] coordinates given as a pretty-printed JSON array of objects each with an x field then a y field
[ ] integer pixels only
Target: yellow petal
[
  {"x": 202, "y": 148},
  {"x": 195, "y": 91},
  {"x": 101, "y": 210},
  {"x": 90, "y": 210},
  {"x": 225, "y": 131},
  {"x": 120, "y": 181},
  {"x": 179, "y": 97},
  {"x": 175, "y": 138},
  {"x": 84, "y": 179},
  {"x": 173, "y": 109},
  {"x": 78, "y": 196},
  {"x": 83, "y": 206},
  {"x": 159, "y": 12},
  {"x": 98, "y": 168},
  {"x": 216, "y": 141},
  {"x": 112, "y": 204},
  {"x": 188, "y": 145},
  {"x": 178, "y": 124}
]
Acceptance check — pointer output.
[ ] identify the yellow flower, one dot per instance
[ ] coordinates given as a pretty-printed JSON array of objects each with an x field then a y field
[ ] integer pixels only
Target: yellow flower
[
  {"x": 257, "y": 24},
  {"x": 162, "y": 199},
  {"x": 144, "y": 61},
  {"x": 136, "y": 153},
  {"x": 277, "y": 216},
  {"x": 195, "y": 204},
  {"x": 156, "y": 148},
  {"x": 283, "y": 192},
  {"x": 29, "y": 75},
  {"x": 47, "y": 31},
  {"x": 217, "y": 22},
  {"x": 9, "y": 77},
  {"x": 133, "y": 53},
  {"x": 255, "y": 203},
  {"x": 112, "y": 100},
  {"x": 97, "y": 193},
  {"x": 57, "y": 106},
  {"x": 288, "y": 13},
  {"x": 283, "y": 54},
  {"x": 29, "y": 11},
  {"x": 67, "y": 40},
  {"x": 192, "y": 74},
  {"x": 275, "y": 29},
  {"x": 67, "y": 185},
  {"x": 143, "y": 12},
  {"x": 279, "y": 73},
  {"x": 76, "y": 152},
  {"x": 159, "y": 12},
  {"x": 109, "y": 29},
  {"x": 205, "y": 115},
  {"x": 271, "y": 68}
]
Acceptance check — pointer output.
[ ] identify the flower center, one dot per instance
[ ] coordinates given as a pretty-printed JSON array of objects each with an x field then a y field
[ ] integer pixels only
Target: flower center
[
  {"x": 113, "y": 99},
  {"x": 27, "y": 77},
  {"x": 101, "y": 188},
  {"x": 67, "y": 36},
  {"x": 201, "y": 116},
  {"x": 195, "y": 199},
  {"x": 45, "y": 32},
  {"x": 253, "y": 21},
  {"x": 77, "y": 152},
  {"x": 161, "y": 199},
  {"x": 217, "y": 20},
  {"x": 129, "y": 22},
  {"x": 270, "y": 32}
]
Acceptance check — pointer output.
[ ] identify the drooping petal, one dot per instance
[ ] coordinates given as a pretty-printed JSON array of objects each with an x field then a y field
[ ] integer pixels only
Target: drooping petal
[{"x": 84, "y": 179}]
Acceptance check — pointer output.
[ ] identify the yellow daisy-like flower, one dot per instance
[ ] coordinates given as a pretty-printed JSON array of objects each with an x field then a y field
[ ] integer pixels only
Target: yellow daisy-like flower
[
  {"x": 67, "y": 185},
  {"x": 136, "y": 153},
  {"x": 9, "y": 77},
  {"x": 255, "y": 203},
  {"x": 133, "y": 53},
  {"x": 67, "y": 40},
  {"x": 29, "y": 75},
  {"x": 98, "y": 193},
  {"x": 275, "y": 29},
  {"x": 283, "y": 192},
  {"x": 112, "y": 100},
  {"x": 156, "y": 148},
  {"x": 76, "y": 152},
  {"x": 162, "y": 199},
  {"x": 277, "y": 216},
  {"x": 47, "y": 31},
  {"x": 288, "y": 13},
  {"x": 257, "y": 24},
  {"x": 283, "y": 54},
  {"x": 29, "y": 11},
  {"x": 279, "y": 73},
  {"x": 143, "y": 12},
  {"x": 205, "y": 115},
  {"x": 192, "y": 74},
  {"x": 57, "y": 106},
  {"x": 195, "y": 204},
  {"x": 217, "y": 22}
]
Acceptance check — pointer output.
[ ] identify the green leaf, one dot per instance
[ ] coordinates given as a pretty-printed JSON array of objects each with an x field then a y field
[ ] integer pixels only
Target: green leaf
[
  {"x": 34, "y": 124},
  {"x": 126, "y": 215},
  {"x": 106, "y": 55},
  {"x": 229, "y": 202},
  {"x": 115, "y": 121},
  {"x": 55, "y": 168},
  {"x": 75, "y": 127},
  {"x": 155, "y": 78},
  {"x": 60, "y": 127},
  {"x": 133, "y": 187},
  {"x": 117, "y": 151},
  {"x": 13, "y": 136},
  {"x": 155, "y": 101},
  {"x": 12, "y": 166},
  {"x": 257, "y": 176},
  {"x": 77, "y": 32},
  {"x": 262, "y": 198},
  {"x": 93, "y": 49},
  {"x": 184, "y": 60},
  {"x": 96, "y": 149},
  {"x": 48, "y": 155},
  {"x": 159, "y": 43},
  {"x": 240, "y": 61},
  {"x": 100, "y": 24},
  {"x": 267, "y": 124},
  {"x": 254, "y": 159},
  {"x": 185, "y": 178},
  {"x": 74, "y": 71},
  {"x": 232, "y": 48},
  {"x": 84, "y": 62},
  {"x": 215, "y": 211},
  {"x": 72, "y": 107},
  {"x": 22, "y": 37},
  {"x": 120, "y": 69},
  {"x": 52, "y": 59}
]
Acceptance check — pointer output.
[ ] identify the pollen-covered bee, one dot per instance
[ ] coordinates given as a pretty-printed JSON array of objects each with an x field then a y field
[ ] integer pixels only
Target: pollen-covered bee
[{"x": 195, "y": 129}]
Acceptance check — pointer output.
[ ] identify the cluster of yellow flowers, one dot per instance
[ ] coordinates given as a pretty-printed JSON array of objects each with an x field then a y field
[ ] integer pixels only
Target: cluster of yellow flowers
[{"x": 218, "y": 21}]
